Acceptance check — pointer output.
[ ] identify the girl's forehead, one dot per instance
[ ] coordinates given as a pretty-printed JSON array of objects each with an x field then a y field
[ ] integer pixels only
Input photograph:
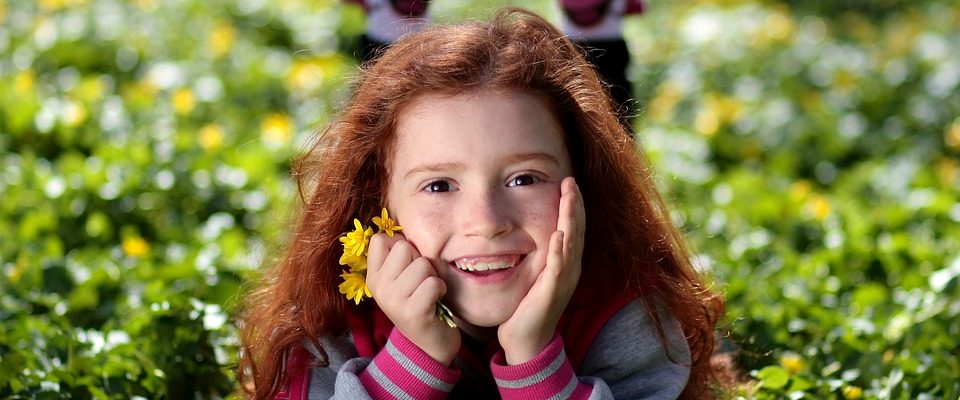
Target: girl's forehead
[{"x": 478, "y": 125}]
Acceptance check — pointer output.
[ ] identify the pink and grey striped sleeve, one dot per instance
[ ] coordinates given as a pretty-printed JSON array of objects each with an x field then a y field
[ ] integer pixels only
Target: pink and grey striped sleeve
[
  {"x": 403, "y": 371},
  {"x": 549, "y": 375}
]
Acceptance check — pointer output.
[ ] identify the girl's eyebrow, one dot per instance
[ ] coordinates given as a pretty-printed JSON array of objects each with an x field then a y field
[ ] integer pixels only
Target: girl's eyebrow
[
  {"x": 508, "y": 160},
  {"x": 447, "y": 166},
  {"x": 534, "y": 156}
]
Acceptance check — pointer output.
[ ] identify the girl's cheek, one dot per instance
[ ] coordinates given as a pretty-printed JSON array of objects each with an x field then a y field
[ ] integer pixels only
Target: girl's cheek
[
  {"x": 424, "y": 227},
  {"x": 542, "y": 209}
]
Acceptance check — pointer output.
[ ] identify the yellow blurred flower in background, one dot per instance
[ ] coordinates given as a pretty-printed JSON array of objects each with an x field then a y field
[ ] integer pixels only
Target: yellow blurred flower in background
[
  {"x": 304, "y": 75},
  {"x": 183, "y": 101},
  {"x": 779, "y": 24},
  {"x": 951, "y": 135},
  {"x": 24, "y": 82},
  {"x": 56, "y": 5},
  {"x": 135, "y": 246},
  {"x": 819, "y": 207},
  {"x": 211, "y": 137},
  {"x": 664, "y": 101},
  {"x": 147, "y": 5},
  {"x": 307, "y": 75},
  {"x": 717, "y": 111},
  {"x": 90, "y": 89},
  {"x": 51, "y": 5},
  {"x": 140, "y": 94},
  {"x": 707, "y": 122},
  {"x": 792, "y": 363},
  {"x": 852, "y": 392},
  {"x": 845, "y": 79},
  {"x": 948, "y": 171},
  {"x": 74, "y": 114},
  {"x": 276, "y": 128},
  {"x": 221, "y": 39},
  {"x": 799, "y": 190}
]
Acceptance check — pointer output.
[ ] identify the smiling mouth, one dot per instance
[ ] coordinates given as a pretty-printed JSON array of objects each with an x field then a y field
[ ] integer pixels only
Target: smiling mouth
[{"x": 479, "y": 264}]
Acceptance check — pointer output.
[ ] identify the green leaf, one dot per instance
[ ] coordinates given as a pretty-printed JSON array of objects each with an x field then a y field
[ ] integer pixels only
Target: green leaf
[{"x": 773, "y": 377}]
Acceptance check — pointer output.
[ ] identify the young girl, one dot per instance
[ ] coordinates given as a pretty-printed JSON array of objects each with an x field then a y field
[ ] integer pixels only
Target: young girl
[{"x": 525, "y": 208}]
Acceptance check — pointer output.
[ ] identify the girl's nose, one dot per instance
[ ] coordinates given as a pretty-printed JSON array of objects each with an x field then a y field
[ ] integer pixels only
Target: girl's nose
[{"x": 486, "y": 214}]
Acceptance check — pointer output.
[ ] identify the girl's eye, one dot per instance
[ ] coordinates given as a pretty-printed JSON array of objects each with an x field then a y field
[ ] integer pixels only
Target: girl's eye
[
  {"x": 523, "y": 180},
  {"x": 438, "y": 186}
]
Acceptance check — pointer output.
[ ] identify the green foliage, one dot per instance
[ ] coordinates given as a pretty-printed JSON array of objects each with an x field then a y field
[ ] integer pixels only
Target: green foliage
[
  {"x": 144, "y": 170},
  {"x": 813, "y": 162},
  {"x": 810, "y": 151}
]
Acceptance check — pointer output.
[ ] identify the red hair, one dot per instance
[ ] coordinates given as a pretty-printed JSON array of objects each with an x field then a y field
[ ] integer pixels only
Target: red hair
[{"x": 632, "y": 247}]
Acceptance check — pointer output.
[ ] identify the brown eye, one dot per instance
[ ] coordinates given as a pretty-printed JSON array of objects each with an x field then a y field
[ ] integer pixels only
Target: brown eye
[
  {"x": 438, "y": 186},
  {"x": 523, "y": 180}
]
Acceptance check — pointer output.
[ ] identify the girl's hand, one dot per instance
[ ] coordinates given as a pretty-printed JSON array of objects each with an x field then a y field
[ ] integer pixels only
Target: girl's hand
[
  {"x": 533, "y": 324},
  {"x": 406, "y": 287}
]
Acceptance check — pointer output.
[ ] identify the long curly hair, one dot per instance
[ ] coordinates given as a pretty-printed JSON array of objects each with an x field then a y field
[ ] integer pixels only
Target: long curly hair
[{"x": 630, "y": 240}]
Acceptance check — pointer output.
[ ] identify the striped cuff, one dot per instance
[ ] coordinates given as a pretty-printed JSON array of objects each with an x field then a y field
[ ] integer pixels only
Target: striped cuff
[
  {"x": 401, "y": 370},
  {"x": 549, "y": 375}
]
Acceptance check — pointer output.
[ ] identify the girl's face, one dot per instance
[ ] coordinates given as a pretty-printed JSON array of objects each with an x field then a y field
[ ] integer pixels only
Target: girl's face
[{"x": 475, "y": 183}]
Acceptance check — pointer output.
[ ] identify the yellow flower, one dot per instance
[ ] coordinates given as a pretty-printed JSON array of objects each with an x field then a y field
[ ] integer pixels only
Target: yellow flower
[
  {"x": 356, "y": 242},
  {"x": 354, "y": 286},
  {"x": 386, "y": 224},
  {"x": 356, "y": 263},
  {"x": 792, "y": 363},
  {"x": 852, "y": 392},
  {"x": 135, "y": 246}
]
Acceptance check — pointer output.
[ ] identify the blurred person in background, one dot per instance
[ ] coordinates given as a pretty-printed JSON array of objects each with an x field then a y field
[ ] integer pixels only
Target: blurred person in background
[{"x": 596, "y": 26}]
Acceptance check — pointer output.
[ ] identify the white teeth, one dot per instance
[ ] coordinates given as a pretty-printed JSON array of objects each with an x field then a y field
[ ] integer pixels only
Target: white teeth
[{"x": 482, "y": 266}]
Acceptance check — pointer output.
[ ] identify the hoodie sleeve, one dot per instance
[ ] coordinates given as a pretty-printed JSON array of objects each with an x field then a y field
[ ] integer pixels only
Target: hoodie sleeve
[{"x": 399, "y": 370}]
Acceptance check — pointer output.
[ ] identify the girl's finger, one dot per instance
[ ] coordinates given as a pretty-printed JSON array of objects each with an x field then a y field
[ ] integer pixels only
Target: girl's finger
[
  {"x": 555, "y": 261},
  {"x": 412, "y": 276},
  {"x": 571, "y": 217},
  {"x": 580, "y": 223},
  {"x": 379, "y": 247},
  {"x": 399, "y": 256},
  {"x": 426, "y": 295}
]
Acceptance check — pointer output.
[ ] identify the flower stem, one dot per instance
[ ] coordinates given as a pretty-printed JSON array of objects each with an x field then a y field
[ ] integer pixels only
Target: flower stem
[{"x": 445, "y": 315}]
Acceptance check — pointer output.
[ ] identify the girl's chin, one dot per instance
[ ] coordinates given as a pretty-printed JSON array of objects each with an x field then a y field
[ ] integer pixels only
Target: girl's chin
[
  {"x": 484, "y": 333},
  {"x": 483, "y": 319}
]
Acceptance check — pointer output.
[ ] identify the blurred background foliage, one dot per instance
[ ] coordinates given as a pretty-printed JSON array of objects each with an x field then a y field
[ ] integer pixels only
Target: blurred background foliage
[{"x": 809, "y": 150}]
